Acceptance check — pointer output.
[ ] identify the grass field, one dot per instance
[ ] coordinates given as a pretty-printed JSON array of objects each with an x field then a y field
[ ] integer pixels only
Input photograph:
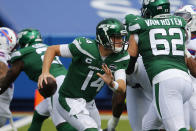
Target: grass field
[{"x": 48, "y": 125}]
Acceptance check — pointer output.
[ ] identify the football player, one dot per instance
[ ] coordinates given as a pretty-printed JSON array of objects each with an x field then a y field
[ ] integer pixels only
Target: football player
[
  {"x": 138, "y": 98},
  {"x": 29, "y": 59},
  {"x": 142, "y": 96},
  {"x": 188, "y": 12},
  {"x": 7, "y": 45},
  {"x": 160, "y": 39},
  {"x": 93, "y": 63}
]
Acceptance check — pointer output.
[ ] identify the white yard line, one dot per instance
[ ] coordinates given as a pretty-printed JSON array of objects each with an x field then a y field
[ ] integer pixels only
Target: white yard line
[
  {"x": 27, "y": 119},
  {"x": 19, "y": 123}
]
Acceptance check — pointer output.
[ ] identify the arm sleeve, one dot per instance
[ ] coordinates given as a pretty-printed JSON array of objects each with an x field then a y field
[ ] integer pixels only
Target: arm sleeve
[
  {"x": 2, "y": 59},
  {"x": 65, "y": 51},
  {"x": 120, "y": 74}
]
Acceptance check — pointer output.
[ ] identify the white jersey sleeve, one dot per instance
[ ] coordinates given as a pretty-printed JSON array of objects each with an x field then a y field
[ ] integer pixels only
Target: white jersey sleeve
[
  {"x": 4, "y": 57},
  {"x": 64, "y": 51},
  {"x": 120, "y": 74}
]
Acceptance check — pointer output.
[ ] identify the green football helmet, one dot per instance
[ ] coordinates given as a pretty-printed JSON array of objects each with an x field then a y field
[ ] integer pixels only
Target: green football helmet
[
  {"x": 29, "y": 37},
  {"x": 108, "y": 28},
  {"x": 151, "y": 8}
]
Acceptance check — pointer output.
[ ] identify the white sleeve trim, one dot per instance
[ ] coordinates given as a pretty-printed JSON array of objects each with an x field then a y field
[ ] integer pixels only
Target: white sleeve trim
[
  {"x": 64, "y": 51},
  {"x": 136, "y": 38},
  {"x": 2, "y": 59},
  {"x": 120, "y": 74}
]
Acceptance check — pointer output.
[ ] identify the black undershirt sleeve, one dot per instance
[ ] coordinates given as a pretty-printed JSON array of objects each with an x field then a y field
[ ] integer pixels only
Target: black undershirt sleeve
[{"x": 131, "y": 65}]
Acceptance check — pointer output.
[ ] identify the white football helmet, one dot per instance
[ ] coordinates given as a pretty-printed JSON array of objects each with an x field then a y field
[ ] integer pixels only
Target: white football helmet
[
  {"x": 8, "y": 39},
  {"x": 192, "y": 10}
]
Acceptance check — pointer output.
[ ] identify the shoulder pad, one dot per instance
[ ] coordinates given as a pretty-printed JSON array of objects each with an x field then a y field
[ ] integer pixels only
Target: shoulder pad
[
  {"x": 21, "y": 52},
  {"x": 134, "y": 23},
  {"x": 82, "y": 40}
]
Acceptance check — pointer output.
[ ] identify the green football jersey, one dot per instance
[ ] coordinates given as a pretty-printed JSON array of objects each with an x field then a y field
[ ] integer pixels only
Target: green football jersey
[
  {"x": 161, "y": 42},
  {"x": 81, "y": 80},
  {"x": 33, "y": 56}
]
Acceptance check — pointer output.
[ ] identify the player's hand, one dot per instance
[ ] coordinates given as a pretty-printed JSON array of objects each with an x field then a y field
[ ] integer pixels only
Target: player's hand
[
  {"x": 107, "y": 77},
  {"x": 42, "y": 78}
]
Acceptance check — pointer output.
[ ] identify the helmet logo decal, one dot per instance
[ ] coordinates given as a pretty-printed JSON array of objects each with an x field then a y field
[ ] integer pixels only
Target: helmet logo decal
[
  {"x": 32, "y": 37},
  {"x": 106, "y": 27},
  {"x": 146, "y": 2},
  {"x": 21, "y": 34},
  {"x": 5, "y": 34}
]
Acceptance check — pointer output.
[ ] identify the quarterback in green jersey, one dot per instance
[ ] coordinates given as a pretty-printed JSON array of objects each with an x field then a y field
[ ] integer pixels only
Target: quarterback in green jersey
[
  {"x": 29, "y": 58},
  {"x": 160, "y": 39},
  {"x": 94, "y": 62}
]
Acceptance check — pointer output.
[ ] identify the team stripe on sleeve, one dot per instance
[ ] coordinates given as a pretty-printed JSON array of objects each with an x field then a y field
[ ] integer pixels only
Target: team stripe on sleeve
[
  {"x": 77, "y": 44},
  {"x": 65, "y": 51},
  {"x": 134, "y": 27}
]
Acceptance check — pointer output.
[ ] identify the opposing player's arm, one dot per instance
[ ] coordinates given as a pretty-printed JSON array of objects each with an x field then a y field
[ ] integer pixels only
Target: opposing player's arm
[
  {"x": 191, "y": 64},
  {"x": 133, "y": 52},
  {"x": 3, "y": 69},
  {"x": 11, "y": 75}
]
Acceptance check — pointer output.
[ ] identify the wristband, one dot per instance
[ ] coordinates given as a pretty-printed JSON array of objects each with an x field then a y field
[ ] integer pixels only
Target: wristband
[{"x": 116, "y": 85}]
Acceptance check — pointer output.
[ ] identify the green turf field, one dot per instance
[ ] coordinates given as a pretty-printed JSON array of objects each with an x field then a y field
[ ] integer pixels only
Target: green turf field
[{"x": 48, "y": 126}]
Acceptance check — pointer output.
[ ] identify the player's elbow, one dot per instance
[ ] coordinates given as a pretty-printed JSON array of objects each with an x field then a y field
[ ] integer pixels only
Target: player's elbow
[{"x": 54, "y": 49}]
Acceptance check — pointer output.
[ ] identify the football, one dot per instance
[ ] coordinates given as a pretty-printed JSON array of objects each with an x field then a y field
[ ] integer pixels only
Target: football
[{"x": 48, "y": 89}]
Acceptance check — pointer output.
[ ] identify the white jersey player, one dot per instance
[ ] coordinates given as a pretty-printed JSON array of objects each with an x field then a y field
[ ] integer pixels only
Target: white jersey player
[
  {"x": 138, "y": 95},
  {"x": 191, "y": 46},
  {"x": 7, "y": 45}
]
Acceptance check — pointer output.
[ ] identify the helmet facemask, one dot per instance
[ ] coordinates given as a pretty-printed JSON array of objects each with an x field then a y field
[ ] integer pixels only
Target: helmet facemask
[
  {"x": 118, "y": 43},
  {"x": 192, "y": 10},
  {"x": 187, "y": 17}
]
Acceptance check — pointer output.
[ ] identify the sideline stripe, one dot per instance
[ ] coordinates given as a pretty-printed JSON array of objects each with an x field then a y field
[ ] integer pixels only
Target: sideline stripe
[{"x": 18, "y": 123}]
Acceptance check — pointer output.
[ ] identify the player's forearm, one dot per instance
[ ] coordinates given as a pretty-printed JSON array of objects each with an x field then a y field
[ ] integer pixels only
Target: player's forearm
[
  {"x": 191, "y": 64},
  {"x": 118, "y": 103},
  {"x": 3, "y": 69},
  {"x": 121, "y": 85},
  {"x": 11, "y": 75},
  {"x": 48, "y": 58}
]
